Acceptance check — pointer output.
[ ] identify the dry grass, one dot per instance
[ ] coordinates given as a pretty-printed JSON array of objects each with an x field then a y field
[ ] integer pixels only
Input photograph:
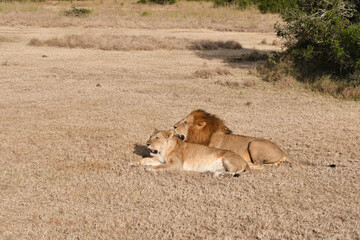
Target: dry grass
[
  {"x": 276, "y": 42},
  {"x": 215, "y": 45},
  {"x": 253, "y": 56},
  {"x": 114, "y": 42},
  {"x": 208, "y": 73},
  {"x": 128, "y": 14},
  {"x": 249, "y": 83},
  {"x": 7, "y": 39},
  {"x": 335, "y": 88},
  {"x": 284, "y": 74},
  {"x": 229, "y": 84},
  {"x": 71, "y": 120},
  {"x": 126, "y": 43},
  {"x": 264, "y": 41}
]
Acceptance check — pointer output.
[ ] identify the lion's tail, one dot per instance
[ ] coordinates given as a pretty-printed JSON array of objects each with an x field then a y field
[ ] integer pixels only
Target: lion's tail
[
  {"x": 291, "y": 161},
  {"x": 287, "y": 159}
]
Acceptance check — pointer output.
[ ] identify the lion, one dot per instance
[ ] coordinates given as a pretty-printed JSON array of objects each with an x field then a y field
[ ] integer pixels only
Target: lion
[
  {"x": 175, "y": 154},
  {"x": 204, "y": 128},
  {"x": 155, "y": 158}
]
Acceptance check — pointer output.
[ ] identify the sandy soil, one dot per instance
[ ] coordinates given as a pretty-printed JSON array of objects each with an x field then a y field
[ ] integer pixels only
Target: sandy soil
[{"x": 71, "y": 120}]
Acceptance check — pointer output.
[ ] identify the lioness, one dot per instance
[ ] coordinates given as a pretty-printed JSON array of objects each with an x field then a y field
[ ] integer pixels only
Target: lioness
[
  {"x": 179, "y": 155},
  {"x": 207, "y": 129},
  {"x": 155, "y": 158}
]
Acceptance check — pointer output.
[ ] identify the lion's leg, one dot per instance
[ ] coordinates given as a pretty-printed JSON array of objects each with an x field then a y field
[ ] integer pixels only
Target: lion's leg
[
  {"x": 147, "y": 161},
  {"x": 166, "y": 166},
  {"x": 265, "y": 152},
  {"x": 234, "y": 163}
]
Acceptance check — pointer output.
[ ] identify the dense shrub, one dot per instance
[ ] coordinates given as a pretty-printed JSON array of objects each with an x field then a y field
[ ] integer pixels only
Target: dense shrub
[
  {"x": 242, "y": 4},
  {"x": 265, "y": 6},
  {"x": 276, "y": 6},
  {"x": 323, "y": 37}
]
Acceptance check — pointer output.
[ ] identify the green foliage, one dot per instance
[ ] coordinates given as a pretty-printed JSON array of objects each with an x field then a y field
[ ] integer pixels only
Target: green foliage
[
  {"x": 265, "y": 6},
  {"x": 241, "y": 4},
  {"x": 276, "y": 6},
  {"x": 77, "y": 12},
  {"x": 323, "y": 37}
]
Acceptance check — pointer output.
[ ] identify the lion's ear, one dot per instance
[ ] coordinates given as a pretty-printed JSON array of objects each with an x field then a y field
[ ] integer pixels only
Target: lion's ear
[
  {"x": 155, "y": 130},
  {"x": 201, "y": 124},
  {"x": 169, "y": 133}
]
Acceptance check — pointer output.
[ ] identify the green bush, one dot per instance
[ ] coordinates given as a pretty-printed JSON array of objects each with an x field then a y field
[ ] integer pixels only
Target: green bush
[
  {"x": 276, "y": 6},
  {"x": 241, "y": 4},
  {"x": 265, "y": 6},
  {"x": 323, "y": 37}
]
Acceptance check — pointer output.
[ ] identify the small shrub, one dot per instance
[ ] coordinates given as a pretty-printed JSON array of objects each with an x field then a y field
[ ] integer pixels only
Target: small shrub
[
  {"x": 215, "y": 45},
  {"x": 145, "y": 13},
  {"x": 323, "y": 37},
  {"x": 264, "y": 41},
  {"x": 208, "y": 73},
  {"x": 35, "y": 42},
  {"x": 229, "y": 84},
  {"x": 249, "y": 83},
  {"x": 276, "y": 42},
  {"x": 203, "y": 73},
  {"x": 241, "y": 4},
  {"x": 77, "y": 12},
  {"x": 276, "y": 6},
  {"x": 161, "y": 2}
]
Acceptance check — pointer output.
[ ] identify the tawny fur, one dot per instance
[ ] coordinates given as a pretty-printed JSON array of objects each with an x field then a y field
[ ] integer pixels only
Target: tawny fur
[
  {"x": 180, "y": 155},
  {"x": 207, "y": 129}
]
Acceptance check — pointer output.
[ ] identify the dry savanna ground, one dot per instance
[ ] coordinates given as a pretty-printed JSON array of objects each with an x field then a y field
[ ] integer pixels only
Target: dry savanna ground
[{"x": 80, "y": 96}]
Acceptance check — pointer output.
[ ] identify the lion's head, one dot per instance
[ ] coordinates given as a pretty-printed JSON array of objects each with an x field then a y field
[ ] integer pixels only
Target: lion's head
[
  {"x": 158, "y": 141},
  {"x": 198, "y": 127}
]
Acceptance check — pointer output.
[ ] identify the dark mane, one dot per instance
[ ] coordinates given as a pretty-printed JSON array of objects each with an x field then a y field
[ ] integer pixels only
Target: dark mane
[
  {"x": 212, "y": 120},
  {"x": 213, "y": 125}
]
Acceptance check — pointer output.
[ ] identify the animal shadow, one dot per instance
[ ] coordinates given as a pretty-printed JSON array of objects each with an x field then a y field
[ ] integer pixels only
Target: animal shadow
[{"x": 141, "y": 150}]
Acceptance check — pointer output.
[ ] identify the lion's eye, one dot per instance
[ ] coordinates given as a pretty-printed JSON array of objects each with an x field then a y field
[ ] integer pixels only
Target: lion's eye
[
  {"x": 184, "y": 123},
  {"x": 156, "y": 138}
]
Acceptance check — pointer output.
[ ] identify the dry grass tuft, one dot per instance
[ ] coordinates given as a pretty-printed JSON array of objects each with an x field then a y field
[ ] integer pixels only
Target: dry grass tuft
[
  {"x": 335, "y": 88},
  {"x": 284, "y": 74},
  {"x": 253, "y": 56},
  {"x": 264, "y": 41},
  {"x": 203, "y": 73},
  {"x": 4, "y": 39},
  {"x": 249, "y": 83},
  {"x": 229, "y": 84},
  {"x": 215, "y": 45},
  {"x": 7, "y": 39},
  {"x": 77, "y": 12},
  {"x": 208, "y": 73},
  {"x": 35, "y": 42},
  {"x": 114, "y": 42},
  {"x": 286, "y": 81},
  {"x": 276, "y": 42}
]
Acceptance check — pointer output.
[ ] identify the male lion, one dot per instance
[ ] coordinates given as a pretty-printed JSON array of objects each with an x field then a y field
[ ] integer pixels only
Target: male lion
[
  {"x": 178, "y": 155},
  {"x": 207, "y": 129}
]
